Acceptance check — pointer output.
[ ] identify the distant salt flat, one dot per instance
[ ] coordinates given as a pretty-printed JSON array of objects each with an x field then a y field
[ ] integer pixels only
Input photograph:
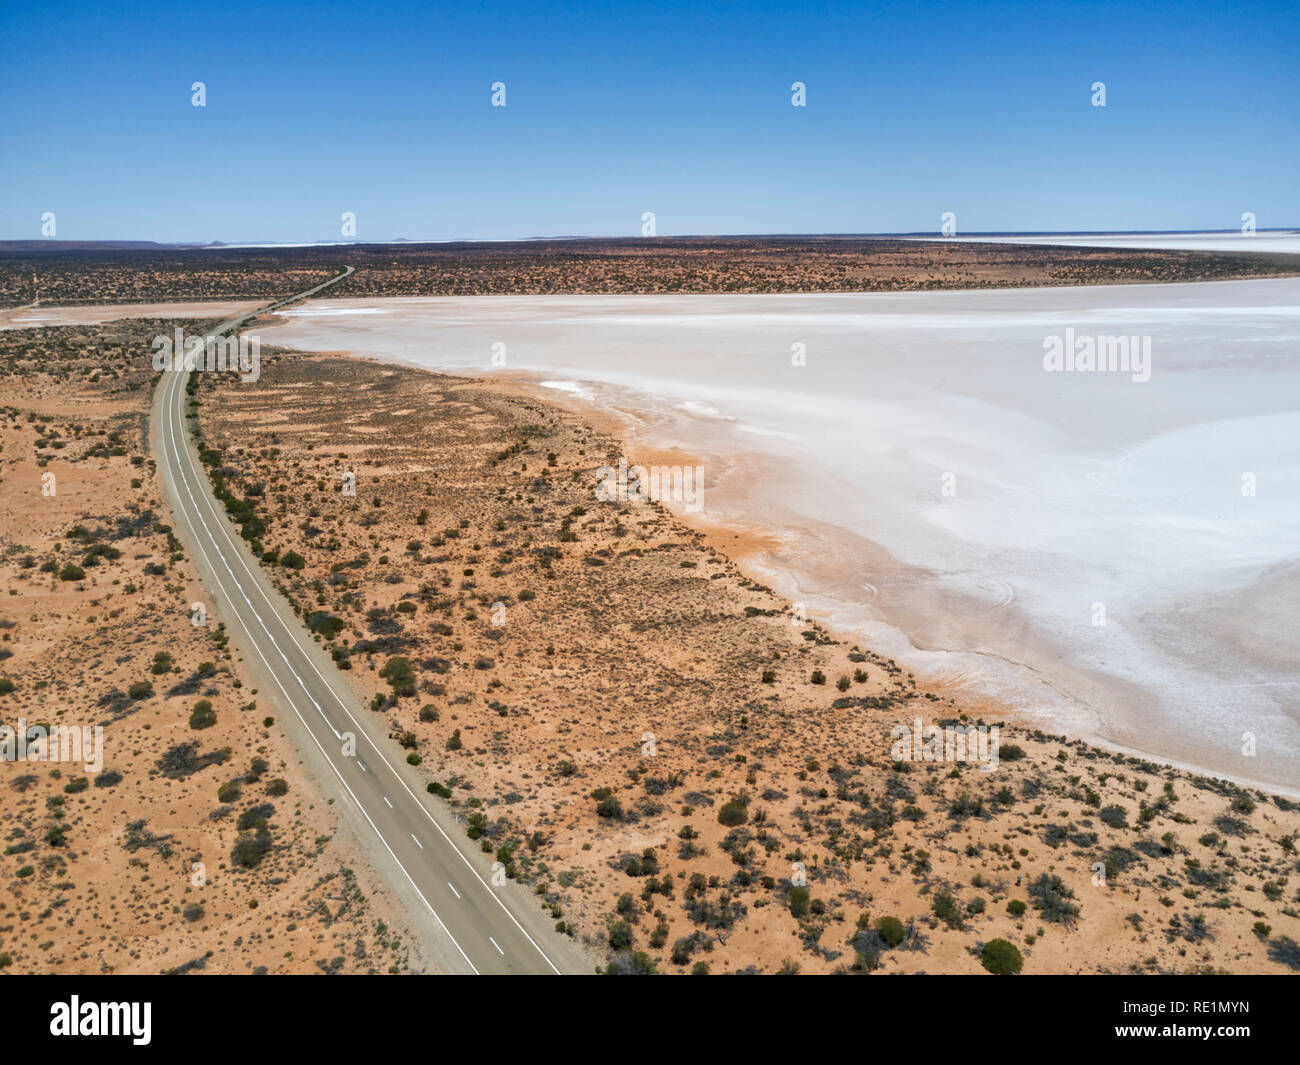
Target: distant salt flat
[
  {"x": 1113, "y": 558},
  {"x": 331, "y": 312},
  {"x": 98, "y": 314},
  {"x": 1285, "y": 241}
]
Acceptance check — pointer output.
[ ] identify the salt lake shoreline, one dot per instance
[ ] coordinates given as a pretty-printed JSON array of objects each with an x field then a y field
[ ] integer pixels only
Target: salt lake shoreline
[
  {"x": 626, "y": 423},
  {"x": 640, "y": 359}
]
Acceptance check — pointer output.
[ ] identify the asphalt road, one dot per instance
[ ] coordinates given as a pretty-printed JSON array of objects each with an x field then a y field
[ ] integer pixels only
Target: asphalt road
[{"x": 412, "y": 839}]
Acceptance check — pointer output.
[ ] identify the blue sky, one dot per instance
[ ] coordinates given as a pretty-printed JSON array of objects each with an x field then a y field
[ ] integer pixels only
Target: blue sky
[{"x": 614, "y": 110}]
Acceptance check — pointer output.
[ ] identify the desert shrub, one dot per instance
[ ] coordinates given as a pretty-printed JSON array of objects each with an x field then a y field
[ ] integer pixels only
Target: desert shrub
[
  {"x": 682, "y": 950},
  {"x": 250, "y": 848},
  {"x": 1284, "y": 950},
  {"x": 1001, "y": 958},
  {"x": 202, "y": 716},
  {"x": 400, "y": 675},
  {"x": 638, "y": 963},
  {"x": 71, "y": 573},
  {"x": 1016, "y": 908},
  {"x": 620, "y": 935},
  {"x": 891, "y": 930},
  {"x": 256, "y": 816},
  {"x": 944, "y": 907},
  {"x": 1115, "y": 816},
  {"x": 141, "y": 689},
  {"x": 1052, "y": 898},
  {"x": 799, "y": 901},
  {"x": 325, "y": 623},
  {"x": 733, "y": 813}
]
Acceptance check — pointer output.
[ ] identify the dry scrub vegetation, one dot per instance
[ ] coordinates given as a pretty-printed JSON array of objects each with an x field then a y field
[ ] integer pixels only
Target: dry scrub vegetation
[
  {"x": 98, "y": 866},
  {"x": 54, "y": 274},
  {"x": 638, "y": 730}
]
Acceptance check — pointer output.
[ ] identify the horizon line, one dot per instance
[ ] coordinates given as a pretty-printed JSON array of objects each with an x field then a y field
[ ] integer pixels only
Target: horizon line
[{"x": 34, "y": 243}]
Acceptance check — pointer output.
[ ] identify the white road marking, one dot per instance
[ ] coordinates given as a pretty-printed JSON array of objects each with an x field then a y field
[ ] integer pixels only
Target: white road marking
[
  {"x": 389, "y": 801},
  {"x": 494, "y": 943},
  {"x": 417, "y": 842},
  {"x": 453, "y": 889}
]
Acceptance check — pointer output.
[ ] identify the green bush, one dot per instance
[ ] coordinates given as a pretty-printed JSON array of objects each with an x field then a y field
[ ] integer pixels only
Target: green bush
[
  {"x": 944, "y": 907},
  {"x": 1016, "y": 908},
  {"x": 202, "y": 716},
  {"x": 733, "y": 813},
  {"x": 1001, "y": 958},
  {"x": 799, "y": 901},
  {"x": 71, "y": 573},
  {"x": 891, "y": 930},
  {"x": 400, "y": 674}
]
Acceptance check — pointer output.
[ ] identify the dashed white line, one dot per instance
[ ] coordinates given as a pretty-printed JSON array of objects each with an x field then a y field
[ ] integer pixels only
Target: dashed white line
[
  {"x": 453, "y": 889},
  {"x": 417, "y": 842},
  {"x": 494, "y": 943},
  {"x": 389, "y": 801}
]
